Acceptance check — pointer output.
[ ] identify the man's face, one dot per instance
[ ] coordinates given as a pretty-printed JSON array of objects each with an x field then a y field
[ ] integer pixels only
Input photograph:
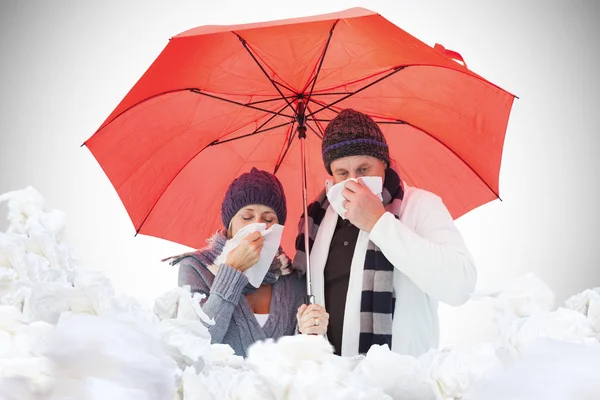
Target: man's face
[{"x": 356, "y": 167}]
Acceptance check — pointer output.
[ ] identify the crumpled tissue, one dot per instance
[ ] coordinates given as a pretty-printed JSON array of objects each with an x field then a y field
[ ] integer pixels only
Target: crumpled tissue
[
  {"x": 451, "y": 372},
  {"x": 304, "y": 367},
  {"x": 166, "y": 352},
  {"x": 334, "y": 192},
  {"x": 95, "y": 356},
  {"x": 398, "y": 375},
  {"x": 272, "y": 236}
]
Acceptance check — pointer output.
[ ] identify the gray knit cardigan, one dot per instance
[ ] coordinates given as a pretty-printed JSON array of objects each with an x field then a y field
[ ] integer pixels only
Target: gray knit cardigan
[{"x": 235, "y": 324}]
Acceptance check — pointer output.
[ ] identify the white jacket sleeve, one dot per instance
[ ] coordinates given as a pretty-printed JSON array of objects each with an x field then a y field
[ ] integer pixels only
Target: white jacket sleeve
[{"x": 434, "y": 256}]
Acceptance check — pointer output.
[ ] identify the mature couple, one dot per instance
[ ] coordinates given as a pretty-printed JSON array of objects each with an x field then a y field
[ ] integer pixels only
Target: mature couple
[{"x": 377, "y": 274}]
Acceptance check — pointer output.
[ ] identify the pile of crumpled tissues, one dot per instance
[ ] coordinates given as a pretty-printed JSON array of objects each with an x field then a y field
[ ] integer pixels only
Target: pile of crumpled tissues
[{"x": 65, "y": 334}]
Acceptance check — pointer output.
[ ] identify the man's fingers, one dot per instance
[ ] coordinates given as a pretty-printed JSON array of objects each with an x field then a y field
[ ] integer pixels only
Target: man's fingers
[
  {"x": 362, "y": 183},
  {"x": 347, "y": 194},
  {"x": 353, "y": 186}
]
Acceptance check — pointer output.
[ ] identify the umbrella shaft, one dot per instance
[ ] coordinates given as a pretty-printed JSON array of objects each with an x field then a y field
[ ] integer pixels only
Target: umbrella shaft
[{"x": 310, "y": 296}]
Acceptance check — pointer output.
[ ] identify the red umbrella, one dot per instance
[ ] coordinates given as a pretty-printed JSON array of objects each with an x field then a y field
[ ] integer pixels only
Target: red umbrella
[{"x": 220, "y": 100}]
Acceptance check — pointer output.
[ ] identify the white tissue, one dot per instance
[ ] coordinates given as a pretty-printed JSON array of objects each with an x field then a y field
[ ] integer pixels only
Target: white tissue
[
  {"x": 109, "y": 346},
  {"x": 179, "y": 303},
  {"x": 452, "y": 372},
  {"x": 334, "y": 192},
  {"x": 548, "y": 370},
  {"x": 398, "y": 375},
  {"x": 257, "y": 272},
  {"x": 304, "y": 367},
  {"x": 563, "y": 324},
  {"x": 188, "y": 342},
  {"x": 519, "y": 298}
]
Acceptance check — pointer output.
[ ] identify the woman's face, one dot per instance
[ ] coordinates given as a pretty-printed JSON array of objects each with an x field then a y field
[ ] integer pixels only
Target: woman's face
[{"x": 253, "y": 213}]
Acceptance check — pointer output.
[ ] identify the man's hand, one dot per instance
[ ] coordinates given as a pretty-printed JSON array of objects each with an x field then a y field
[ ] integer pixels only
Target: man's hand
[{"x": 364, "y": 208}]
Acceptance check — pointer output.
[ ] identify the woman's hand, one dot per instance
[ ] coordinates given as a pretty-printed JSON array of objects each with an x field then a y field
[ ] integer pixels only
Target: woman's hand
[
  {"x": 247, "y": 253},
  {"x": 312, "y": 319}
]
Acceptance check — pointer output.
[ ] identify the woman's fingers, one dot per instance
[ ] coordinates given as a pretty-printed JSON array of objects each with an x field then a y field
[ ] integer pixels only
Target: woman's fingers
[
  {"x": 310, "y": 316},
  {"x": 254, "y": 237},
  {"x": 300, "y": 311},
  {"x": 312, "y": 319}
]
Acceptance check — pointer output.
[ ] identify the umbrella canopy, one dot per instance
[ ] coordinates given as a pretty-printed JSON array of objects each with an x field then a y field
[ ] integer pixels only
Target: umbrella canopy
[{"x": 220, "y": 100}]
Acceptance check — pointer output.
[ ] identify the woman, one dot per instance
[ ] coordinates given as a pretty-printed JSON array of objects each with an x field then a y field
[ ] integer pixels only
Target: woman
[{"x": 244, "y": 314}]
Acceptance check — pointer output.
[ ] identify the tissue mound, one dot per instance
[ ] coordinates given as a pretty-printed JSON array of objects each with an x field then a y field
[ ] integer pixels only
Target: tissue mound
[{"x": 65, "y": 334}]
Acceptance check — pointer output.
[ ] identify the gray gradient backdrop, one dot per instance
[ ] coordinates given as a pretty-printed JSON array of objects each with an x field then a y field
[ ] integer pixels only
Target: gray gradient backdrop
[{"x": 65, "y": 65}]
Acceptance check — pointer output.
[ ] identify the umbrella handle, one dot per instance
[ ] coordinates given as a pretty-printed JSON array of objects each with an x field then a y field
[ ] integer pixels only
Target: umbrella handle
[{"x": 450, "y": 53}]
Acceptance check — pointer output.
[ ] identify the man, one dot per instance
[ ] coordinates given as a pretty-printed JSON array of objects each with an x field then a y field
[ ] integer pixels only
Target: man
[{"x": 380, "y": 273}]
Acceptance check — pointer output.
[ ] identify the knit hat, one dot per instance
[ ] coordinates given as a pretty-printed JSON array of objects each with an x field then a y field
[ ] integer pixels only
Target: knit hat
[
  {"x": 353, "y": 133},
  {"x": 254, "y": 187}
]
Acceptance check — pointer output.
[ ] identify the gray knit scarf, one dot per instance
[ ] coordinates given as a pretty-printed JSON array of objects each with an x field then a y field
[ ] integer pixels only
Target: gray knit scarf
[
  {"x": 207, "y": 256},
  {"x": 377, "y": 300}
]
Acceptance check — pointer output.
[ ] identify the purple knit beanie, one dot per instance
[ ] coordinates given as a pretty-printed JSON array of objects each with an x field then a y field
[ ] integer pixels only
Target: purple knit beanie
[
  {"x": 352, "y": 133},
  {"x": 254, "y": 187}
]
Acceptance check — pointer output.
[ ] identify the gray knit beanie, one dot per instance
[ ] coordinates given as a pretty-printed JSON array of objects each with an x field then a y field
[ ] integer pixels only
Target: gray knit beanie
[
  {"x": 353, "y": 133},
  {"x": 254, "y": 187}
]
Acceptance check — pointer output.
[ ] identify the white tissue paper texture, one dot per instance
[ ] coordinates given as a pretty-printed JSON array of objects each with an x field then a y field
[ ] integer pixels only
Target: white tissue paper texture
[
  {"x": 257, "y": 272},
  {"x": 334, "y": 192},
  {"x": 65, "y": 334}
]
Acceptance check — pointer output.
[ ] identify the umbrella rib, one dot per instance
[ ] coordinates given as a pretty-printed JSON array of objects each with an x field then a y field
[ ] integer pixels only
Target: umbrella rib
[
  {"x": 285, "y": 87},
  {"x": 198, "y": 91},
  {"x": 275, "y": 84},
  {"x": 400, "y": 122},
  {"x": 457, "y": 156},
  {"x": 395, "y": 70},
  {"x": 322, "y": 58},
  {"x": 317, "y": 134},
  {"x": 396, "y": 122},
  {"x": 200, "y": 151},
  {"x": 105, "y": 124},
  {"x": 331, "y": 94},
  {"x": 321, "y": 130},
  {"x": 256, "y": 132},
  {"x": 252, "y": 103},
  {"x": 287, "y": 147},
  {"x": 327, "y": 106}
]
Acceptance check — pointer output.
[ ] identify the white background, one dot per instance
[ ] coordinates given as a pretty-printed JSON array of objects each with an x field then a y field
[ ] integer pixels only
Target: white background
[{"x": 65, "y": 65}]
